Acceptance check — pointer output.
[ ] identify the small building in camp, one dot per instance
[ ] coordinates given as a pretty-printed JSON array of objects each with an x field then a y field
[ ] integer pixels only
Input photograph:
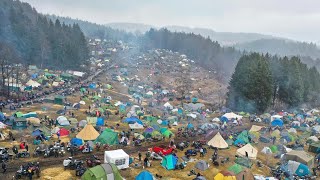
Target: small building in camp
[
  {"x": 117, "y": 157},
  {"x": 301, "y": 157}
]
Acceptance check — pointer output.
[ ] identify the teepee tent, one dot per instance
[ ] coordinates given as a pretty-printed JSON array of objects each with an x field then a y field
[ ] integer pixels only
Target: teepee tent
[
  {"x": 218, "y": 141},
  {"x": 248, "y": 150},
  {"x": 88, "y": 133}
]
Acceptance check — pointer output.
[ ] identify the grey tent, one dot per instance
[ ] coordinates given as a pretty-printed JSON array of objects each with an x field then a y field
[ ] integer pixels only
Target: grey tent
[
  {"x": 202, "y": 165},
  {"x": 200, "y": 178}
]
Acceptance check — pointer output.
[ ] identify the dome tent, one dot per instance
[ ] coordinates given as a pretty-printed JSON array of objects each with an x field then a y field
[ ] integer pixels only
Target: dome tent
[
  {"x": 105, "y": 171},
  {"x": 145, "y": 175}
]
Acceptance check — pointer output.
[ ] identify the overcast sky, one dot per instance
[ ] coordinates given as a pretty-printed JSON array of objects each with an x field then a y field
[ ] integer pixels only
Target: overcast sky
[{"x": 295, "y": 19}]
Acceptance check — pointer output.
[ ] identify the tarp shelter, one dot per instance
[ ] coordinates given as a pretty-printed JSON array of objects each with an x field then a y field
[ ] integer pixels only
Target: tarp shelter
[
  {"x": 225, "y": 175},
  {"x": 277, "y": 122},
  {"x": 298, "y": 168},
  {"x": 76, "y": 141},
  {"x": 106, "y": 171},
  {"x": 30, "y": 114},
  {"x": 136, "y": 126},
  {"x": 108, "y": 137},
  {"x": 169, "y": 162},
  {"x": 248, "y": 151},
  {"x": 19, "y": 124},
  {"x": 88, "y": 133},
  {"x": 59, "y": 99},
  {"x": 92, "y": 120},
  {"x": 145, "y": 175},
  {"x": 132, "y": 120},
  {"x": 218, "y": 142},
  {"x": 236, "y": 168},
  {"x": 63, "y": 132},
  {"x": 36, "y": 132},
  {"x": 33, "y": 120},
  {"x": 314, "y": 147},
  {"x": 255, "y": 128},
  {"x": 63, "y": 121},
  {"x": 202, "y": 165},
  {"x": 117, "y": 157},
  {"x": 33, "y": 84},
  {"x": 300, "y": 156}
]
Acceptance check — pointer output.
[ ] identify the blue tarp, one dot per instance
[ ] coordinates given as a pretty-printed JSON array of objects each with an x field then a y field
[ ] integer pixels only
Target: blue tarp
[
  {"x": 132, "y": 120},
  {"x": 92, "y": 86},
  {"x": 100, "y": 121},
  {"x": 144, "y": 175},
  {"x": 76, "y": 141},
  {"x": 36, "y": 132},
  {"x": 165, "y": 123},
  {"x": 277, "y": 122}
]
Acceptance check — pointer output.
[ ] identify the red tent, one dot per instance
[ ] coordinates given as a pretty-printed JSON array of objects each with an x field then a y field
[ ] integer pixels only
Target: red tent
[{"x": 63, "y": 132}]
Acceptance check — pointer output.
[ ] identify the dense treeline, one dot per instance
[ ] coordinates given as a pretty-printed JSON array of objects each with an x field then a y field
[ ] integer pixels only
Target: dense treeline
[
  {"x": 37, "y": 40},
  {"x": 263, "y": 81},
  {"x": 204, "y": 51}
]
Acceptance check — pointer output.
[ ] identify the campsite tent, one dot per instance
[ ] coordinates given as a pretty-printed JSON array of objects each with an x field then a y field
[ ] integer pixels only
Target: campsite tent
[
  {"x": 277, "y": 122},
  {"x": 63, "y": 132},
  {"x": 255, "y": 128},
  {"x": 117, "y": 157},
  {"x": 297, "y": 168},
  {"x": 167, "y": 134},
  {"x": 218, "y": 141},
  {"x": 169, "y": 162},
  {"x": 266, "y": 150},
  {"x": 202, "y": 165},
  {"x": 301, "y": 157},
  {"x": 145, "y": 175},
  {"x": 33, "y": 83},
  {"x": 106, "y": 171},
  {"x": 76, "y": 141},
  {"x": 33, "y": 120},
  {"x": 30, "y": 114},
  {"x": 63, "y": 121},
  {"x": 231, "y": 116},
  {"x": 59, "y": 99},
  {"x": 108, "y": 137},
  {"x": 82, "y": 123},
  {"x": 225, "y": 175},
  {"x": 248, "y": 150},
  {"x": 132, "y": 120},
  {"x": 276, "y": 117},
  {"x": 245, "y": 175},
  {"x": 314, "y": 147},
  {"x": 136, "y": 126},
  {"x": 88, "y": 133},
  {"x": 19, "y": 123}
]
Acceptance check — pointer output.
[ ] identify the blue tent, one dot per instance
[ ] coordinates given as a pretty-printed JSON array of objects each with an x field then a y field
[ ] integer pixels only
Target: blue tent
[
  {"x": 239, "y": 141},
  {"x": 165, "y": 123},
  {"x": 169, "y": 162},
  {"x": 2, "y": 117},
  {"x": 223, "y": 119},
  {"x": 76, "y": 141},
  {"x": 156, "y": 127},
  {"x": 92, "y": 86},
  {"x": 132, "y": 120},
  {"x": 36, "y": 132},
  {"x": 190, "y": 126},
  {"x": 144, "y": 175},
  {"x": 277, "y": 122},
  {"x": 162, "y": 130},
  {"x": 30, "y": 114},
  {"x": 34, "y": 76},
  {"x": 100, "y": 121}
]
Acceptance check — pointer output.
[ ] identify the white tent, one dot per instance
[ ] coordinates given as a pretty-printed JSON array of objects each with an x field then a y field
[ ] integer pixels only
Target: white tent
[
  {"x": 266, "y": 150},
  {"x": 275, "y": 117},
  {"x": 313, "y": 138},
  {"x": 249, "y": 150},
  {"x": 216, "y": 120},
  {"x": 295, "y": 123},
  {"x": 63, "y": 121},
  {"x": 175, "y": 123},
  {"x": 55, "y": 84},
  {"x": 255, "y": 128},
  {"x": 292, "y": 130},
  {"x": 150, "y": 93},
  {"x": 192, "y": 115},
  {"x": 232, "y": 116},
  {"x": 82, "y": 102},
  {"x": 136, "y": 126},
  {"x": 33, "y": 83},
  {"x": 168, "y": 105},
  {"x": 218, "y": 142},
  {"x": 117, "y": 157}
]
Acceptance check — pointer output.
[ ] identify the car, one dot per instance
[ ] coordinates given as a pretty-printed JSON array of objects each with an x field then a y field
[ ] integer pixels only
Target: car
[
  {"x": 191, "y": 152},
  {"x": 162, "y": 151}
]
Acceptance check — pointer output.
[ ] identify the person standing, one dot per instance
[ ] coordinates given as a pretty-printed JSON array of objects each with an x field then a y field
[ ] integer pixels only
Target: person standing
[
  {"x": 27, "y": 147},
  {"x": 140, "y": 155},
  {"x": 4, "y": 166}
]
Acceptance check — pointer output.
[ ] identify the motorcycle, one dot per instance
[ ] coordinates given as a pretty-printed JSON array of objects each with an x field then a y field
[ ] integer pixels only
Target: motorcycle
[
  {"x": 71, "y": 164},
  {"x": 80, "y": 170},
  {"x": 23, "y": 154},
  {"x": 93, "y": 161}
]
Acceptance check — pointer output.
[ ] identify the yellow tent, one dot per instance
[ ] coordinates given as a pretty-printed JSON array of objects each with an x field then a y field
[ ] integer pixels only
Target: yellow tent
[
  {"x": 33, "y": 120},
  {"x": 88, "y": 133},
  {"x": 225, "y": 176},
  {"x": 255, "y": 128}
]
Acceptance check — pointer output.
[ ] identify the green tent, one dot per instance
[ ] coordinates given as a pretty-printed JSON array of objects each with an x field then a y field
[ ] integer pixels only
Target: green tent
[
  {"x": 236, "y": 168},
  {"x": 246, "y": 162},
  {"x": 244, "y": 136},
  {"x": 274, "y": 148},
  {"x": 108, "y": 137},
  {"x": 229, "y": 142},
  {"x": 66, "y": 76},
  {"x": 167, "y": 134},
  {"x": 147, "y": 134},
  {"x": 156, "y": 135},
  {"x": 102, "y": 172},
  {"x": 83, "y": 90},
  {"x": 108, "y": 86},
  {"x": 314, "y": 147},
  {"x": 169, "y": 162},
  {"x": 59, "y": 99},
  {"x": 18, "y": 114}
]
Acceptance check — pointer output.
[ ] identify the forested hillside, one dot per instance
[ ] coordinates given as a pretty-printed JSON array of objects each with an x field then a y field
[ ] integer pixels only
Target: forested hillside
[
  {"x": 263, "y": 81},
  {"x": 37, "y": 40},
  {"x": 204, "y": 51}
]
